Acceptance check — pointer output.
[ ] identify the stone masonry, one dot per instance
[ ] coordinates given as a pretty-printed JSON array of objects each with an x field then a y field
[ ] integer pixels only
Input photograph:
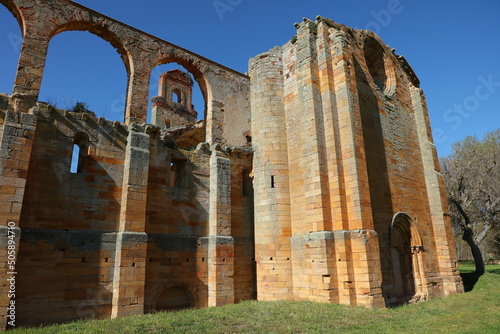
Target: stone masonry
[{"x": 313, "y": 178}]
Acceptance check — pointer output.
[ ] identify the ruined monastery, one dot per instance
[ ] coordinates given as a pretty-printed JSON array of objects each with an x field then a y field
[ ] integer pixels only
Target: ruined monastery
[{"x": 314, "y": 177}]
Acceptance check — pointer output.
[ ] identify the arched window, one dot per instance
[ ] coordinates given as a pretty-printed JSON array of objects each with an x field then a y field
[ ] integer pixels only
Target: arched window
[
  {"x": 383, "y": 76},
  {"x": 176, "y": 96},
  {"x": 80, "y": 152}
]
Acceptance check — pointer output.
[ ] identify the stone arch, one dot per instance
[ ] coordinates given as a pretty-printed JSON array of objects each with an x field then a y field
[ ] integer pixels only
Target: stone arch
[
  {"x": 406, "y": 252},
  {"x": 173, "y": 298},
  {"x": 100, "y": 31},
  {"x": 195, "y": 68},
  {"x": 14, "y": 9},
  {"x": 379, "y": 66},
  {"x": 108, "y": 42}
]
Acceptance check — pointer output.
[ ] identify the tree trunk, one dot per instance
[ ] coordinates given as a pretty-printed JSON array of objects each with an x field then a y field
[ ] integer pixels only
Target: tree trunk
[{"x": 476, "y": 252}]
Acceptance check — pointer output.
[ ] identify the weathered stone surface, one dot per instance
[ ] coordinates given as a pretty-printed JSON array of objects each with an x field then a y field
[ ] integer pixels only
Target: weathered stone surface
[
  {"x": 325, "y": 189},
  {"x": 349, "y": 205}
]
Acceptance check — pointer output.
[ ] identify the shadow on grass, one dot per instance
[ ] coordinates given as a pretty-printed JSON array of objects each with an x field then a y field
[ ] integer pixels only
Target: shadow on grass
[{"x": 469, "y": 280}]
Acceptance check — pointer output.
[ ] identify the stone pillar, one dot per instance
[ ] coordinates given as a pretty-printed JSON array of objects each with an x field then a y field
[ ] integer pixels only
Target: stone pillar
[
  {"x": 436, "y": 193},
  {"x": 215, "y": 122},
  {"x": 271, "y": 178},
  {"x": 306, "y": 131},
  {"x": 29, "y": 71},
  {"x": 359, "y": 276},
  {"x": 136, "y": 110},
  {"x": 331, "y": 125},
  {"x": 220, "y": 241},
  {"x": 16, "y": 143},
  {"x": 310, "y": 197},
  {"x": 131, "y": 246}
]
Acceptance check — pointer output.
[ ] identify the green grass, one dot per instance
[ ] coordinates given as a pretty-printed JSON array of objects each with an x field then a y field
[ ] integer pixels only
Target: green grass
[
  {"x": 469, "y": 277},
  {"x": 477, "y": 311}
]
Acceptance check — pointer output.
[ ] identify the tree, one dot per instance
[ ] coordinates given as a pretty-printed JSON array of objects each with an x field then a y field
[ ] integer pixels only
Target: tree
[{"x": 472, "y": 177}]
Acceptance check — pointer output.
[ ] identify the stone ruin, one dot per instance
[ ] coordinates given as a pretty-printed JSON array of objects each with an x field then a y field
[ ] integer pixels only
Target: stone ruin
[{"x": 313, "y": 178}]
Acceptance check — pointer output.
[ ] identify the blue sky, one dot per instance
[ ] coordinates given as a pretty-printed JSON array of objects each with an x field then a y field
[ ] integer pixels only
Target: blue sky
[{"x": 453, "y": 46}]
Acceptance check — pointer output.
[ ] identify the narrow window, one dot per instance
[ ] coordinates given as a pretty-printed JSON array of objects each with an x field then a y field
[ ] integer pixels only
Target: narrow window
[
  {"x": 178, "y": 178},
  {"x": 272, "y": 181},
  {"x": 80, "y": 152},
  {"x": 75, "y": 158}
]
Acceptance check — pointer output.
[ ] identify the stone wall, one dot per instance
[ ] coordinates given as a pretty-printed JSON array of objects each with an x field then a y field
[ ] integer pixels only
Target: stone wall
[
  {"x": 342, "y": 152},
  {"x": 329, "y": 192},
  {"x": 110, "y": 239}
]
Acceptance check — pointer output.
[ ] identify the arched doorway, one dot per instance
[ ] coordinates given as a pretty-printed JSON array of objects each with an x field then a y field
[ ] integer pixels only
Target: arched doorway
[
  {"x": 406, "y": 255},
  {"x": 175, "y": 298}
]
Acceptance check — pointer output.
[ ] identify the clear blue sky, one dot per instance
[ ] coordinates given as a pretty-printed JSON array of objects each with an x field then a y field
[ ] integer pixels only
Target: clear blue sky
[{"x": 453, "y": 46}]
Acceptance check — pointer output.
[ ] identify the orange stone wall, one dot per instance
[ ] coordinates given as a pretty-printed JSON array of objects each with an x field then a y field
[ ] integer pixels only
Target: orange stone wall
[
  {"x": 317, "y": 180},
  {"x": 342, "y": 151},
  {"x": 97, "y": 251}
]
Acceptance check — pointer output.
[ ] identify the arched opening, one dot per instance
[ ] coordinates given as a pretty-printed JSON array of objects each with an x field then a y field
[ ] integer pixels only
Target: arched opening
[
  {"x": 406, "y": 247},
  {"x": 383, "y": 76},
  {"x": 174, "y": 298},
  {"x": 177, "y": 96},
  {"x": 80, "y": 152},
  {"x": 177, "y": 104},
  {"x": 82, "y": 67},
  {"x": 11, "y": 39}
]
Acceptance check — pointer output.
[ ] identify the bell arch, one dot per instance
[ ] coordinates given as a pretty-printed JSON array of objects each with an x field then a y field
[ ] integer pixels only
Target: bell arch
[
  {"x": 406, "y": 249},
  {"x": 200, "y": 84},
  {"x": 193, "y": 69}
]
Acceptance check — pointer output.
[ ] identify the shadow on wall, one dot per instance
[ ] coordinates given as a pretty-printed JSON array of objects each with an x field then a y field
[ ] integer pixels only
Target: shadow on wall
[
  {"x": 68, "y": 223},
  {"x": 377, "y": 168},
  {"x": 175, "y": 298}
]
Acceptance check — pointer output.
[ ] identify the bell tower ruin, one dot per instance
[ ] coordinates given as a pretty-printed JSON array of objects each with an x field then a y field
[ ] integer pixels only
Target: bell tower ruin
[{"x": 173, "y": 107}]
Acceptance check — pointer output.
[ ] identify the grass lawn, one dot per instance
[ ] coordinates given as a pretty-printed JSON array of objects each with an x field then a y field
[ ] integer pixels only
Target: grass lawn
[{"x": 477, "y": 311}]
